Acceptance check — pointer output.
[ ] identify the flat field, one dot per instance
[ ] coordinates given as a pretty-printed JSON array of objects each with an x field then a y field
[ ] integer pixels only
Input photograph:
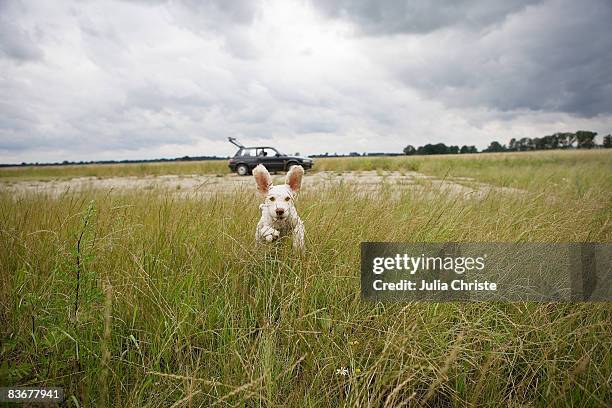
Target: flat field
[{"x": 145, "y": 294}]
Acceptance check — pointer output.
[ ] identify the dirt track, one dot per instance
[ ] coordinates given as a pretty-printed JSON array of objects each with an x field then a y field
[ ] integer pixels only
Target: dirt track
[{"x": 194, "y": 185}]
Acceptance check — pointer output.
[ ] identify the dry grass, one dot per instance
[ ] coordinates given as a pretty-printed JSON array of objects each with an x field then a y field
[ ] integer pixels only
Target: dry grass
[
  {"x": 200, "y": 317},
  {"x": 505, "y": 169},
  {"x": 114, "y": 170}
]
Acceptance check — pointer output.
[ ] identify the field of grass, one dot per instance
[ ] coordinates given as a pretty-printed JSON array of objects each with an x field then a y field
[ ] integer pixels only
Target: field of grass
[
  {"x": 505, "y": 169},
  {"x": 114, "y": 170},
  {"x": 575, "y": 170},
  {"x": 144, "y": 299}
]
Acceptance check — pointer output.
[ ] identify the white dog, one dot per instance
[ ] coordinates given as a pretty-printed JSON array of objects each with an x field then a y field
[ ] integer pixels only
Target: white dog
[{"x": 279, "y": 216}]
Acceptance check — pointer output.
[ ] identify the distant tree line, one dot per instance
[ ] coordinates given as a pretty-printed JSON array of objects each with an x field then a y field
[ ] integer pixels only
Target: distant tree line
[
  {"x": 352, "y": 154},
  {"x": 438, "y": 148},
  {"x": 70, "y": 163},
  {"x": 582, "y": 139}
]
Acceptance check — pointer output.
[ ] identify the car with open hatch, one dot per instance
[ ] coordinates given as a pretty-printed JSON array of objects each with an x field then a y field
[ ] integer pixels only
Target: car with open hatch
[{"x": 247, "y": 158}]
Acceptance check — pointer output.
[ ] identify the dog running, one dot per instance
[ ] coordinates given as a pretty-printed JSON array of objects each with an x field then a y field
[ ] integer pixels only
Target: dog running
[{"x": 279, "y": 217}]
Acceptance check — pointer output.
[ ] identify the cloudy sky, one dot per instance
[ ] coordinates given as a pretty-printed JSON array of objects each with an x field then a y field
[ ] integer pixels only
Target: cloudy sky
[{"x": 99, "y": 79}]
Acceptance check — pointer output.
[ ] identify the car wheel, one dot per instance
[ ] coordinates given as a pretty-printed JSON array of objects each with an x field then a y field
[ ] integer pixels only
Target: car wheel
[
  {"x": 290, "y": 165},
  {"x": 242, "y": 170}
]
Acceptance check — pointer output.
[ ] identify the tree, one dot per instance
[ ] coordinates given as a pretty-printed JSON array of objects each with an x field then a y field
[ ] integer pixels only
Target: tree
[
  {"x": 566, "y": 140},
  {"x": 586, "y": 139},
  {"x": 512, "y": 146},
  {"x": 546, "y": 142},
  {"x": 438, "y": 148},
  {"x": 525, "y": 144},
  {"x": 441, "y": 148},
  {"x": 550, "y": 142},
  {"x": 607, "y": 141},
  {"x": 538, "y": 143},
  {"x": 453, "y": 149},
  {"x": 464, "y": 149},
  {"x": 409, "y": 150},
  {"x": 495, "y": 146}
]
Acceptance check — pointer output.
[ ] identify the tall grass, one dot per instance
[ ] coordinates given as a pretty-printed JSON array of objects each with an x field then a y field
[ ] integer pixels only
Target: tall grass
[
  {"x": 114, "y": 170},
  {"x": 531, "y": 170},
  {"x": 200, "y": 316}
]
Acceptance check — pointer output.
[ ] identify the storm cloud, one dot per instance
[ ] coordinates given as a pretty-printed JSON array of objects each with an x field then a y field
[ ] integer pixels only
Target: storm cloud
[
  {"x": 142, "y": 79},
  {"x": 396, "y": 16}
]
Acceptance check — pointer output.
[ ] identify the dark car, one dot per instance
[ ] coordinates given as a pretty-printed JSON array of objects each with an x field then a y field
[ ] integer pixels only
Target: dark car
[{"x": 246, "y": 158}]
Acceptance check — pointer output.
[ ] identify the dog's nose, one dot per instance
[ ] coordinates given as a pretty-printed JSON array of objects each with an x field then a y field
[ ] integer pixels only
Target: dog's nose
[{"x": 280, "y": 211}]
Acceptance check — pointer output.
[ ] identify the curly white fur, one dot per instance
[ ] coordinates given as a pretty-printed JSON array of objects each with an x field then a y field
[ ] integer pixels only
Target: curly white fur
[{"x": 279, "y": 216}]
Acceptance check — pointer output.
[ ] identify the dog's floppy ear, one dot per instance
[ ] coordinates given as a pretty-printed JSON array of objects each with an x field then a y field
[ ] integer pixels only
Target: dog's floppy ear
[
  {"x": 262, "y": 178},
  {"x": 294, "y": 178}
]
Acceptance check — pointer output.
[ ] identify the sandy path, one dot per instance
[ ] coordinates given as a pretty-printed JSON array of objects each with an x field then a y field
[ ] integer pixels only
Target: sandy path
[{"x": 190, "y": 185}]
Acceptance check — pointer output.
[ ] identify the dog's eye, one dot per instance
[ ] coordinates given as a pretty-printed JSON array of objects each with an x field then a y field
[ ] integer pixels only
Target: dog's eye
[
  {"x": 287, "y": 198},
  {"x": 272, "y": 199}
]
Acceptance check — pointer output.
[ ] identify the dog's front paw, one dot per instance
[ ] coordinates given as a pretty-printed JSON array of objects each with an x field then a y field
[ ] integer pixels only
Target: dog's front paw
[
  {"x": 269, "y": 234},
  {"x": 272, "y": 235}
]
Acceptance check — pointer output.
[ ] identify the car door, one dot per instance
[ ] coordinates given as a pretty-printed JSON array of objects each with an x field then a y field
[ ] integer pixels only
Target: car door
[
  {"x": 248, "y": 157},
  {"x": 262, "y": 157},
  {"x": 268, "y": 157},
  {"x": 278, "y": 159}
]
